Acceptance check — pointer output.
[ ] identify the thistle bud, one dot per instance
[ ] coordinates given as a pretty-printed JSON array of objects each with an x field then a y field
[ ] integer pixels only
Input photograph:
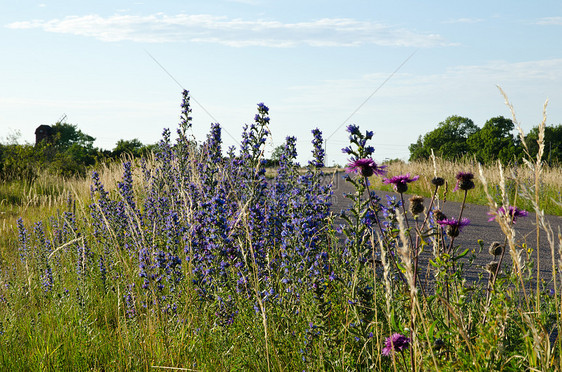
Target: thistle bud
[
  {"x": 464, "y": 181},
  {"x": 438, "y": 181}
]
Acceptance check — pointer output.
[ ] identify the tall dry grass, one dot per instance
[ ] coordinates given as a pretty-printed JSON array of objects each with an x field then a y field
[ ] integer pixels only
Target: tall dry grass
[
  {"x": 517, "y": 178},
  {"x": 48, "y": 194}
]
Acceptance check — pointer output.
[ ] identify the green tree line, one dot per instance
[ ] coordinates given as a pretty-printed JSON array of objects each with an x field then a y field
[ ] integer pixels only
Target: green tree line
[
  {"x": 67, "y": 151},
  {"x": 459, "y": 137}
]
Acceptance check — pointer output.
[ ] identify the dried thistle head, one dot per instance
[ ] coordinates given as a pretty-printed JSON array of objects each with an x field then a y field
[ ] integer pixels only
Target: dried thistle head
[
  {"x": 495, "y": 249},
  {"x": 438, "y": 215},
  {"x": 416, "y": 205},
  {"x": 492, "y": 267}
]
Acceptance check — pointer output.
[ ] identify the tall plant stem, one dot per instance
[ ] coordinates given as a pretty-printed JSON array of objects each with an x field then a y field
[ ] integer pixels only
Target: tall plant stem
[
  {"x": 492, "y": 282},
  {"x": 418, "y": 237},
  {"x": 386, "y": 242},
  {"x": 373, "y": 206},
  {"x": 430, "y": 206},
  {"x": 415, "y": 248},
  {"x": 460, "y": 217},
  {"x": 538, "y": 168}
]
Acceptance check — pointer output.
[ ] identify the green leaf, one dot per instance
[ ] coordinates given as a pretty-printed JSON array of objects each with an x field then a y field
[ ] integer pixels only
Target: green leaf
[{"x": 464, "y": 253}]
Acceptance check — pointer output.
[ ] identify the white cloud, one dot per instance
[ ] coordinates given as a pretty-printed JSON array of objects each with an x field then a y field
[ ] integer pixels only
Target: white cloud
[
  {"x": 557, "y": 21},
  {"x": 247, "y": 2},
  {"x": 234, "y": 32},
  {"x": 411, "y": 103},
  {"x": 466, "y": 87},
  {"x": 465, "y": 20},
  {"x": 521, "y": 72}
]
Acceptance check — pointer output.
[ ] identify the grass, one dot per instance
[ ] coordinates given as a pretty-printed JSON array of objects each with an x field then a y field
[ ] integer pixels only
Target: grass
[
  {"x": 516, "y": 178},
  {"x": 194, "y": 262}
]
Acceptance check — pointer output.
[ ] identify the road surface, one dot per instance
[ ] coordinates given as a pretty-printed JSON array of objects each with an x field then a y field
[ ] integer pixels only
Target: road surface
[{"x": 479, "y": 229}]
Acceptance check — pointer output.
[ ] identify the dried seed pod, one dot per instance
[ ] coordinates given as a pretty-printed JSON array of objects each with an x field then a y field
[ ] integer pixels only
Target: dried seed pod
[
  {"x": 416, "y": 205},
  {"x": 495, "y": 249},
  {"x": 438, "y": 215},
  {"x": 492, "y": 267}
]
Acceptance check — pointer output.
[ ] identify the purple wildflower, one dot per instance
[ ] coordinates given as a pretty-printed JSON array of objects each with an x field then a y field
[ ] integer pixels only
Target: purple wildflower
[
  {"x": 263, "y": 108},
  {"x": 318, "y": 152},
  {"x": 464, "y": 181},
  {"x": 400, "y": 182},
  {"x": 395, "y": 343},
  {"x": 353, "y": 129},
  {"x": 454, "y": 226},
  {"x": 510, "y": 211},
  {"x": 347, "y": 150},
  {"x": 367, "y": 167},
  {"x": 185, "y": 122}
]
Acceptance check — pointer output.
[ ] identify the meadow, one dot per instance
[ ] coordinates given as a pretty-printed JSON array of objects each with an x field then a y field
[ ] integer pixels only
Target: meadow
[{"x": 194, "y": 259}]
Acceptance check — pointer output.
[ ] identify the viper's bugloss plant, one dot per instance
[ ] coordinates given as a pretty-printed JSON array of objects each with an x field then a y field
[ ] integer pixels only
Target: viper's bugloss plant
[{"x": 193, "y": 258}]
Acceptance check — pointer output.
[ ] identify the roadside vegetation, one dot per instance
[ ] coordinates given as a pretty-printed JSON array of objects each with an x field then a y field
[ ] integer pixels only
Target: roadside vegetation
[
  {"x": 67, "y": 152},
  {"x": 515, "y": 176},
  {"x": 190, "y": 258}
]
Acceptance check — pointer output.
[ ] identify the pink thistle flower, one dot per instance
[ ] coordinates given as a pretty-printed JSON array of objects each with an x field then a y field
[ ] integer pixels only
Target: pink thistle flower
[
  {"x": 395, "y": 343},
  {"x": 464, "y": 181},
  {"x": 367, "y": 167},
  {"x": 454, "y": 226},
  {"x": 510, "y": 211},
  {"x": 401, "y": 182}
]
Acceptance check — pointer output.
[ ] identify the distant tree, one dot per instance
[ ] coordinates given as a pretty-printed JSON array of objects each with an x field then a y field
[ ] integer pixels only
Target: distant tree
[
  {"x": 494, "y": 141},
  {"x": 448, "y": 140},
  {"x": 132, "y": 147},
  {"x": 17, "y": 162},
  {"x": 273, "y": 161},
  {"x": 552, "y": 143},
  {"x": 69, "y": 153},
  {"x": 66, "y": 135}
]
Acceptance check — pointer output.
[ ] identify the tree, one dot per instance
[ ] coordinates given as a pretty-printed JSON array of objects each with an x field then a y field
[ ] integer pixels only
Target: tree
[
  {"x": 132, "y": 147},
  {"x": 273, "y": 161},
  {"x": 69, "y": 152},
  {"x": 448, "y": 140},
  {"x": 18, "y": 162},
  {"x": 552, "y": 143},
  {"x": 494, "y": 141},
  {"x": 65, "y": 135}
]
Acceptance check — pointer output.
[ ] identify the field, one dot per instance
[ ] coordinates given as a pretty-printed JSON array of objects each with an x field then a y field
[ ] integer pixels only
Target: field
[{"x": 195, "y": 260}]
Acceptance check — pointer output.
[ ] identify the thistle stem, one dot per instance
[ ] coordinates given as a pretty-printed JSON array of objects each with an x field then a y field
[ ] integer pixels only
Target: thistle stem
[{"x": 386, "y": 243}]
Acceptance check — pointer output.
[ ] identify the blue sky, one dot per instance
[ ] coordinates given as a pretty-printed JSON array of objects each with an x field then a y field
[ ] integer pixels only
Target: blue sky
[{"x": 314, "y": 63}]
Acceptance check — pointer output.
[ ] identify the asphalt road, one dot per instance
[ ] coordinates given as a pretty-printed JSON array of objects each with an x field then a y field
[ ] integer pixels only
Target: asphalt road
[{"x": 479, "y": 229}]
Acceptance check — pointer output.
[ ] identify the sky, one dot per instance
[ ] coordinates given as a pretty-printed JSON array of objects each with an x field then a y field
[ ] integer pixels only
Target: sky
[{"x": 116, "y": 69}]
